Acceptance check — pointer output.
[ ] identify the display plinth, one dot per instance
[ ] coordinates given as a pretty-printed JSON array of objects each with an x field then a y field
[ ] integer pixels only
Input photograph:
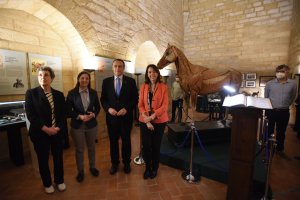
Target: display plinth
[
  {"x": 209, "y": 132},
  {"x": 242, "y": 152}
]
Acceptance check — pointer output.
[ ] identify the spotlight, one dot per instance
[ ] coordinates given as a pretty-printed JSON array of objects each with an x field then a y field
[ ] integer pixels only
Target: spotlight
[{"x": 229, "y": 88}]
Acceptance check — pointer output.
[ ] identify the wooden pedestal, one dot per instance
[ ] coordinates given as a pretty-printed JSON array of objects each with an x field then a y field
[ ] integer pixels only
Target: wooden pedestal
[{"x": 242, "y": 153}]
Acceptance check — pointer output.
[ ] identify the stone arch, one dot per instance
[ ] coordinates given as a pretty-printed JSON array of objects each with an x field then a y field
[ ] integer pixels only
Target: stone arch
[{"x": 61, "y": 25}]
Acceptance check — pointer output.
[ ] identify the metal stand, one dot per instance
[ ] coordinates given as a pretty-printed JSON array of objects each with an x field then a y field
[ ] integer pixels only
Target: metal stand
[
  {"x": 179, "y": 112},
  {"x": 139, "y": 160},
  {"x": 137, "y": 110},
  {"x": 191, "y": 177},
  {"x": 272, "y": 142}
]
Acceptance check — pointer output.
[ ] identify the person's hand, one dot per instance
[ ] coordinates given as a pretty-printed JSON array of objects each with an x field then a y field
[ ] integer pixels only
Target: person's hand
[
  {"x": 112, "y": 111},
  {"x": 147, "y": 119},
  {"x": 88, "y": 117},
  {"x": 50, "y": 130},
  {"x": 122, "y": 112},
  {"x": 150, "y": 126}
]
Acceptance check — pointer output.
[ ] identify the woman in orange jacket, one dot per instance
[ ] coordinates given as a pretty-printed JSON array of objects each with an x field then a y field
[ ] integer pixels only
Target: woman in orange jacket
[{"x": 153, "y": 107}]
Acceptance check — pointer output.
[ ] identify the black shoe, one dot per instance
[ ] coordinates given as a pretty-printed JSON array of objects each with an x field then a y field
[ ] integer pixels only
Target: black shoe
[
  {"x": 127, "y": 169},
  {"x": 297, "y": 157},
  {"x": 80, "y": 176},
  {"x": 94, "y": 171},
  {"x": 146, "y": 174},
  {"x": 153, "y": 174},
  {"x": 113, "y": 169}
]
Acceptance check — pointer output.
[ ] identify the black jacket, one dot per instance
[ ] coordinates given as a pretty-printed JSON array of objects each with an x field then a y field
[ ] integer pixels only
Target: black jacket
[
  {"x": 75, "y": 108},
  {"x": 39, "y": 113}
]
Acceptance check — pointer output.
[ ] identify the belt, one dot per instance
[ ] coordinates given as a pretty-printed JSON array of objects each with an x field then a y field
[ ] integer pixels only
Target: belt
[{"x": 277, "y": 109}]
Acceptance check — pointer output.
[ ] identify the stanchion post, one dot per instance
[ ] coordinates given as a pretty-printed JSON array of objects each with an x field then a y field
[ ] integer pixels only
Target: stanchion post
[
  {"x": 272, "y": 142},
  {"x": 191, "y": 177},
  {"x": 139, "y": 160},
  {"x": 179, "y": 112}
]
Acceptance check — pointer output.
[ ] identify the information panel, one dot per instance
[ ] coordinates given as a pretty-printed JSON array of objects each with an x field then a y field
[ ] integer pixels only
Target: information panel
[
  {"x": 13, "y": 72},
  {"x": 36, "y": 61}
]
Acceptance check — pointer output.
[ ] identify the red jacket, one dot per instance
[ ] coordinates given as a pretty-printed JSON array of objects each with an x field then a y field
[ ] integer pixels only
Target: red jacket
[{"x": 159, "y": 102}]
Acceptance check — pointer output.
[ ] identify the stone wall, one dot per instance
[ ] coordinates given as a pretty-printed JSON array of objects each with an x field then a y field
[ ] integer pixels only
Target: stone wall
[
  {"x": 248, "y": 35},
  {"x": 294, "y": 50}
]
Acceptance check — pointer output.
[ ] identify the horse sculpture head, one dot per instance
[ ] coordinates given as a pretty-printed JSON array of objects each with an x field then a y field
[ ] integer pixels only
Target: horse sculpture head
[{"x": 169, "y": 57}]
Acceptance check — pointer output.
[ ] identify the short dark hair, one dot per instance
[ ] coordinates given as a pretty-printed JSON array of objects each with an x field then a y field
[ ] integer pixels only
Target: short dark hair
[
  {"x": 147, "y": 80},
  {"x": 118, "y": 60},
  {"x": 46, "y": 68},
  {"x": 79, "y": 75},
  {"x": 283, "y": 66}
]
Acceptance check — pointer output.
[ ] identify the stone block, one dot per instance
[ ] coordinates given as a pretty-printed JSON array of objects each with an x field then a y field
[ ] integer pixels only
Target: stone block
[
  {"x": 4, "y": 44},
  {"x": 30, "y": 48},
  {"x": 62, "y": 54},
  {"x": 76, "y": 15},
  {"x": 18, "y": 37},
  {"x": 50, "y": 43},
  {"x": 49, "y": 33},
  {"x": 45, "y": 11},
  {"x": 6, "y": 22},
  {"x": 28, "y": 28}
]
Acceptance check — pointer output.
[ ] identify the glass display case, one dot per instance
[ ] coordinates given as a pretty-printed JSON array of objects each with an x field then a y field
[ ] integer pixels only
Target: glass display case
[
  {"x": 12, "y": 119},
  {"x": 11, "y": 112}
]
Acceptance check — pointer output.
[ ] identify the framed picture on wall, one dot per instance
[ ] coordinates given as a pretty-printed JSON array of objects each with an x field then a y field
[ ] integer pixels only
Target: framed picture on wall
[
  {"x": 251, "y": 76},
  {"x": 250, "y": 84},
  {"x": 243, "y": 76},
  {"x": 242, "y": 84},
  {"x": 264, "y": 79}
]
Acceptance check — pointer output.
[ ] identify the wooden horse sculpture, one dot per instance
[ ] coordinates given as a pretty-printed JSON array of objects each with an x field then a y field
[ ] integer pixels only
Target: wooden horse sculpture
[{"x": 198, "y": 80}]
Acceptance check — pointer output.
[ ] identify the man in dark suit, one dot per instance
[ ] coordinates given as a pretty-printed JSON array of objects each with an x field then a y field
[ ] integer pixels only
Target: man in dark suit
[{"x": 119, "y": 97}]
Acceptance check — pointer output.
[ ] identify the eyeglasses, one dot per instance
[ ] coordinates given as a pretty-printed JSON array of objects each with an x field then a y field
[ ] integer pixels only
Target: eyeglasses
[{"x": 280, "y": 71}]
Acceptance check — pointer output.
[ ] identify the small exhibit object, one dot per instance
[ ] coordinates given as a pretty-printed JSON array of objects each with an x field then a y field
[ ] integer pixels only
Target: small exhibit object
[
  {"x": 241, "y": 100},
  {"x": 250, "y": 84}
]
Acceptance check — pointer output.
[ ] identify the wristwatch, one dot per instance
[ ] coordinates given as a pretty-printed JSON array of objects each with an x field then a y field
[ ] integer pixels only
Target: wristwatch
[{"x": 152, "y": 118}]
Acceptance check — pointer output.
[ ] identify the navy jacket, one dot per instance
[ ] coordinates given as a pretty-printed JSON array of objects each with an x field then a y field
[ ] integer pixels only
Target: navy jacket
[{"x": 127, "y": 99}]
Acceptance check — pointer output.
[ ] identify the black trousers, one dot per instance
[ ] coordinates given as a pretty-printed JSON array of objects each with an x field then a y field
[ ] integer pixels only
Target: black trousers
[
  {"x": 114, "y": 133},
  {"x": 42, "y": 146},
  {"x": 175, "y": 104},
  {"x": 281, "y": 119},
  {"x": 151, "y": 141}
]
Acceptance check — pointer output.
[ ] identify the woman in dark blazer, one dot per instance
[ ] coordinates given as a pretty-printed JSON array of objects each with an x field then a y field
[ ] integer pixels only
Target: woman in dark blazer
[
  {"x": 45, "y": 110},
  {"x": 153, "y": 107},
  {"x": 83, "y": 107}
]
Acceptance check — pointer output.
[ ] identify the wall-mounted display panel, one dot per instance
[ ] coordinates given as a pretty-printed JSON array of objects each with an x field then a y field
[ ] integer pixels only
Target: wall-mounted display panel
[
  {"x": 13, "y": 72},
  {"x": 36, "y": 61}
]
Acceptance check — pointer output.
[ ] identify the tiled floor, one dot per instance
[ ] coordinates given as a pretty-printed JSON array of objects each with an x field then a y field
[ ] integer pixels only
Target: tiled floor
[{"x": 24, "y": 183}]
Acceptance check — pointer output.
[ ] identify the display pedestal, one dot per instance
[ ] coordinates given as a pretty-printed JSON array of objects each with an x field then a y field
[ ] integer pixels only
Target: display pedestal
[{"x": 242, "y": 152}]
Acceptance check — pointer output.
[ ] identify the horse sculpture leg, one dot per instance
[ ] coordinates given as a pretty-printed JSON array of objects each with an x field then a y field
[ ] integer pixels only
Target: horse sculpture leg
[
  {"x": 194, "y": 103},
  {"x": 186, "y": 97}
]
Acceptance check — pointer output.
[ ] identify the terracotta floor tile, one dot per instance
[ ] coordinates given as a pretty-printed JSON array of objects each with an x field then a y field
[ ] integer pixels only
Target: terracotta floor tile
[
  {"x": 198, "y": 196},
  {"x": 157, "y": 188},
  {"x": 165, "y": 195},
  {"x": 183, "y": 197},
  {"x": 151, "y": 182},
  {"x": 112, "y": 184},
  {"x": 117, "y": 194},
  {"x": 123, "y": 186},
  {"x": 150, "y": 196},
  {"x": 189, "y": 190},
  {"x": 142, "y": 187},
  {"x": 87, "y": 190}
]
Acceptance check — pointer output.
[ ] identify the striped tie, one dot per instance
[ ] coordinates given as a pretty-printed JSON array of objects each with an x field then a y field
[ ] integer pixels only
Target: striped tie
[{"x": 50, "y": 99}]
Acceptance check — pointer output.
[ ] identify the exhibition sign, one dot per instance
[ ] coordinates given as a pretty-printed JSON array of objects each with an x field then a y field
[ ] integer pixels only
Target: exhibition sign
[
  {"x": 36, "y": 61},
  {"x": 13, "y": 72}
]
